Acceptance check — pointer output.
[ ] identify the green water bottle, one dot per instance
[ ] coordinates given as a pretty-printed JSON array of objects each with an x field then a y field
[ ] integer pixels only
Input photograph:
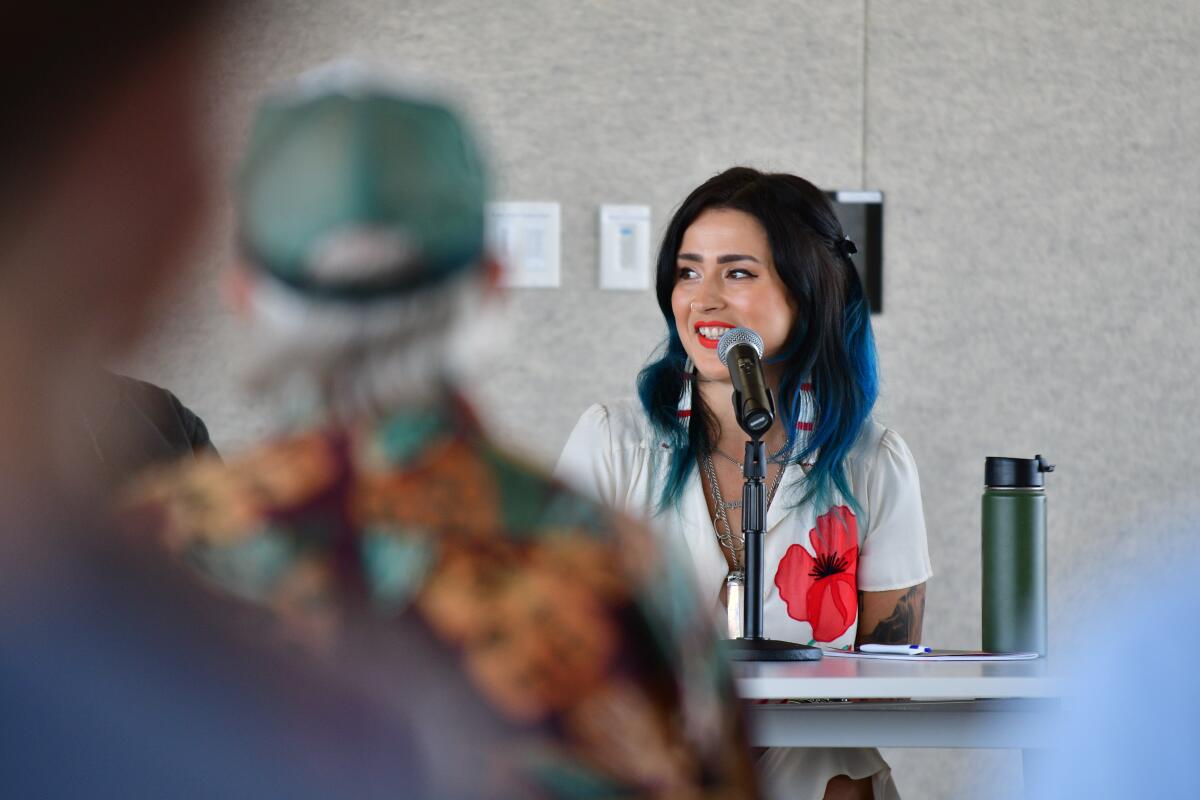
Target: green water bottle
[{"x": 1014, "y": 554}]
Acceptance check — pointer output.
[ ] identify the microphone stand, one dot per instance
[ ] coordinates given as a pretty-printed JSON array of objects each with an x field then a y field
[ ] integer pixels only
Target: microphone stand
[{"x": 753, "y": 646}]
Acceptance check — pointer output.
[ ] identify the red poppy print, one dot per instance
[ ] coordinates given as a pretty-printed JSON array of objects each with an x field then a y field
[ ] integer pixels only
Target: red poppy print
[{"x": 822, "y": 590}]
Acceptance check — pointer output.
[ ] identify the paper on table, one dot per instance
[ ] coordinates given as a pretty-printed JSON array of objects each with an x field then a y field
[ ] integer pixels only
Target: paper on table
[{"x": 935, "y": 655}]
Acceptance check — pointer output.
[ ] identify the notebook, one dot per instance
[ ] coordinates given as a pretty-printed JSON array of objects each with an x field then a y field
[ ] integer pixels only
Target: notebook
[{"x": 935, "y": 655}]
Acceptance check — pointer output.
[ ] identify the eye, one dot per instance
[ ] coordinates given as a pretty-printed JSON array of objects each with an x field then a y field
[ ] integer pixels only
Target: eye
[
  {"x": 686, "y": 273},
  {"x": 739, "y": 274}
]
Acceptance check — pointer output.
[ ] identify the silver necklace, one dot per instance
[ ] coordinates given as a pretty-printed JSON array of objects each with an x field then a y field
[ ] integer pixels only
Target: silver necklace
[
  {"x": 727, "y": 457},
  {"x": 730, "y": 504},
  {"x": 734, "y": 544},
  {"x": 727, "y": 504}
]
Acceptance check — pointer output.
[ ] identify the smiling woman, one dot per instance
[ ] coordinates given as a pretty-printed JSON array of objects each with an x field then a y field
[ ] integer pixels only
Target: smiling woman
[
  {"x": 845, "y": 549},
  {"x": 726, "y": 278}
]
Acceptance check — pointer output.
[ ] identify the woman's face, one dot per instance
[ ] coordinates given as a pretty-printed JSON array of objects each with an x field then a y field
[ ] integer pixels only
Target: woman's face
[{"x": 725, "y": 278}]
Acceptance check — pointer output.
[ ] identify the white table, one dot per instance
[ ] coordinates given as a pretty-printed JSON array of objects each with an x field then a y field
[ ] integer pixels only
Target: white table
[{"x": 1002, "y": 704}]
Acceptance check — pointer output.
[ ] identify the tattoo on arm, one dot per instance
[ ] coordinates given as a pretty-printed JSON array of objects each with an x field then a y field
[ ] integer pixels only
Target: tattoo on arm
[{"x": 903, "y": 626}]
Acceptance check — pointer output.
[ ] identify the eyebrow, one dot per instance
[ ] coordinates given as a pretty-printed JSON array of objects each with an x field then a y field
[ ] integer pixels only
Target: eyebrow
[{"x": 726, "y": 259}]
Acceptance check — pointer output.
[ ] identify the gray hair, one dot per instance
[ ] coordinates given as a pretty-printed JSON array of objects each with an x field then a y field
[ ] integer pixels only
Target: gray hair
[{"x": 349, "y": 359}]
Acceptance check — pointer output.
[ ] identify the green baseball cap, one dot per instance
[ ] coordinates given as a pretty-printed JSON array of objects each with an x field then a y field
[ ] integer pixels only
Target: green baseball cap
[{"x": 357, "y": 192}]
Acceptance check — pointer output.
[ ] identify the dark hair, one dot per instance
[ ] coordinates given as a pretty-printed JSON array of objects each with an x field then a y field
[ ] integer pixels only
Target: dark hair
[
  {"x": 830, "y": 345},
  {"x": 61, "y": 58}
]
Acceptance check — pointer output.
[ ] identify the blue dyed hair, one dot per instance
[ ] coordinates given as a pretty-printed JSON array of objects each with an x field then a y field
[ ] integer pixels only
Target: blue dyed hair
[{"x": 830, "y": 344}]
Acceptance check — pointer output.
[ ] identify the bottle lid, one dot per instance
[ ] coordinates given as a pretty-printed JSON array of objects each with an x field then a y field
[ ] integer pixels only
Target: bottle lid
[{"x": 1018, "y": 473}]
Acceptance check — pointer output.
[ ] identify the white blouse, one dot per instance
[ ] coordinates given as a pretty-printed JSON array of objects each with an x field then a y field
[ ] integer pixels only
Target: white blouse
[{"x": 815, "y": 560}]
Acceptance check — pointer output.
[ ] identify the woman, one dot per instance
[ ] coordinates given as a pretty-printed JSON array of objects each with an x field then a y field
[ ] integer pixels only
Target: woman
[{"x": 845, "y": 552}]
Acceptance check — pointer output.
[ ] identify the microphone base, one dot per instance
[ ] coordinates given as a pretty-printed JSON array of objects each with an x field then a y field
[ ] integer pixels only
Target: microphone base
[{"x": 768, "y": 650}]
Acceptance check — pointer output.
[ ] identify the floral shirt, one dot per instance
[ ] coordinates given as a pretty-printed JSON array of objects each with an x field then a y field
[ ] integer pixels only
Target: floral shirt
[
  {"x": 585, "y": 662},
  {"x": 816, "y": 560}
]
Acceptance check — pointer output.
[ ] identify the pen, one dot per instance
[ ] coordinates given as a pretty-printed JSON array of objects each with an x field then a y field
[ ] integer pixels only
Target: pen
[{"x": 906, "y": 649}]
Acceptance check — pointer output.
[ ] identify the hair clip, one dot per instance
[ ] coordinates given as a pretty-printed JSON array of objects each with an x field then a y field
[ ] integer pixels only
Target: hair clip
[{"x": 847, "y": 246}]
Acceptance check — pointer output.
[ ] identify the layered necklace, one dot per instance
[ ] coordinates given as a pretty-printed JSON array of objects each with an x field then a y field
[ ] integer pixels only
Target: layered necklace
[{"x": 733, "y": 543}]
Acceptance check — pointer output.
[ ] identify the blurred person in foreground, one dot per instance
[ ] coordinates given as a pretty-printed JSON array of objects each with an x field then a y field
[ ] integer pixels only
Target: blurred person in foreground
[
  {"x": 544, "y": 642},
  {"x": 118, "y": 675},
  {"x": 1127, "y": 726}
]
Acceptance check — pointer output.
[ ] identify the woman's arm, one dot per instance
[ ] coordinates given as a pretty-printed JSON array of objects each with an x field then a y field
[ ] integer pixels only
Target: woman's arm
[
  {"x": 891, "y": 617},
  {"x": 895, "y": 551}
]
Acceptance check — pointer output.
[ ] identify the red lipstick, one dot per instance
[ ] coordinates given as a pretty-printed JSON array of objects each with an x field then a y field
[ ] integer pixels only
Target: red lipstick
[{"x": 711, "y": 344}]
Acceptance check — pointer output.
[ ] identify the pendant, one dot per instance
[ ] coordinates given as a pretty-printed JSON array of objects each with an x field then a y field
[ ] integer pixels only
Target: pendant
[{"x": 735, "y": 595}]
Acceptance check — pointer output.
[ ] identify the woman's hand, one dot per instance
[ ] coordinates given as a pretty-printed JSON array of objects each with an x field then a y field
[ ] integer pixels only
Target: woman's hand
[{"x": 893, "y": 617}]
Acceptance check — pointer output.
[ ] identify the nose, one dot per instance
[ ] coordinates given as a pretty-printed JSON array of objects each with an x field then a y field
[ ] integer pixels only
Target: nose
[{"x": 707, "y": 296}]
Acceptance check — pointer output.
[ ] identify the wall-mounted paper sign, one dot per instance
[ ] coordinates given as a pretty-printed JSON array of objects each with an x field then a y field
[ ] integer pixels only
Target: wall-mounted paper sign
[
  {"x": 624, "y": 247},
  {"x": 525, "y": 238}
]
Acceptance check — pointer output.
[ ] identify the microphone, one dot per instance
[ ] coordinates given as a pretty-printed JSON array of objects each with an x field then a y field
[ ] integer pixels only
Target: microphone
[{"x": 741, "y": 351}]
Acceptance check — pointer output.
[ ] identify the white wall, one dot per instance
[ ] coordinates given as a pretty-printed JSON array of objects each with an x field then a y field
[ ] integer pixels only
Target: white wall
[{"x": 1039, "y": 161}]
